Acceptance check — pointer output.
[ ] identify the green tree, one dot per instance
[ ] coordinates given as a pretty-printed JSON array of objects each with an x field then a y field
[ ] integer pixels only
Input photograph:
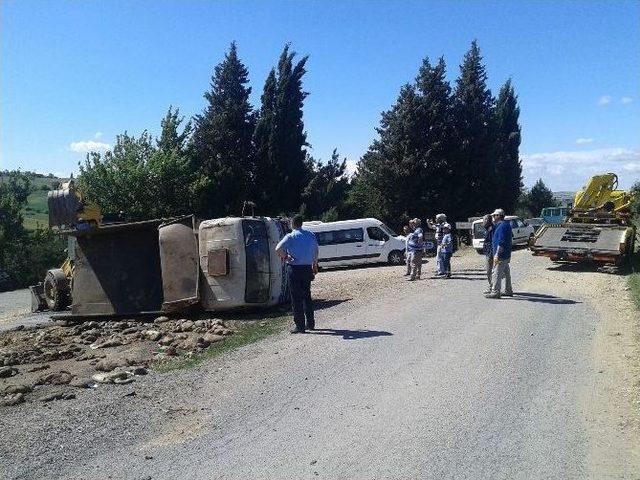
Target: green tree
[
  {"x": 389, "y": 183},
  {"x": 281, "y": 168},
  {"x": 539, "y": 197},
  {"x": 436, "y": 133},
  {"x": 506, "y": 149},
  {"x": 119, "y": 180},
  {"x": 473, "y": 172},
  {"x": 222, "y": 146},
  {"x": 324, "y": 195},
  {"x": 14, "y": 190}
]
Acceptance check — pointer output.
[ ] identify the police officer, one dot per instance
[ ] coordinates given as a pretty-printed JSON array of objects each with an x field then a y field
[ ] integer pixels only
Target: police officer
[{"x": 300, "y": 250}]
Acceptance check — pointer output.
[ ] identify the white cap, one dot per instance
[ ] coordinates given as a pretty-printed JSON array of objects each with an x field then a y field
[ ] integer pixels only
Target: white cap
[
  {"x": 499, "y": 212},
  {"x": 441, "y": 216}
]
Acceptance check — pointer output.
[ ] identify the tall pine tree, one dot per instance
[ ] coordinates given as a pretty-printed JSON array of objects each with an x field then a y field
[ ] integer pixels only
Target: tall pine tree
[
  {"x": 506, "y": 148},
  {"x": 281, "y": 169},
  {"x": 221, "y": 143},
  {"x": 389, "y": 183},
  {"x": 473, "y": 179},
  {"x": 435, "y": 96}
]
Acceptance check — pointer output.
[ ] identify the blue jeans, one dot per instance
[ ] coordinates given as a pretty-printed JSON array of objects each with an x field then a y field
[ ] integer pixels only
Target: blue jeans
[{"x": 446, "y": 262}]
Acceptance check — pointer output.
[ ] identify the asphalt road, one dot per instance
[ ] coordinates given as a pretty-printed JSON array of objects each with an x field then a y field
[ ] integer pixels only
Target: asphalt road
[{"x": 420, "y": 380}]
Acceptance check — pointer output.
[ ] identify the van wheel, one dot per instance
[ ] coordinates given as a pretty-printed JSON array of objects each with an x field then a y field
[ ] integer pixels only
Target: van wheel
[
  {"x": 396, "y": 258},
  {"x": 480, "y": 251}
]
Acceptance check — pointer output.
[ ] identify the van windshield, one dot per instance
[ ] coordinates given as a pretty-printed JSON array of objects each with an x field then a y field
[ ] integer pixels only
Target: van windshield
[{"x": 387, "y": 230}]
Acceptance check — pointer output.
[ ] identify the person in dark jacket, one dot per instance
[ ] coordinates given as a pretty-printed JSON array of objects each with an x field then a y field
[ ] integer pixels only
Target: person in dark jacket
[
  {"x": 501, "y": 248},
  {"x": 487, "y": 223}
]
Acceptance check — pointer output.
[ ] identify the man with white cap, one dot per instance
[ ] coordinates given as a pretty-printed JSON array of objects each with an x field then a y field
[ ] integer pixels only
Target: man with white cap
[
  {"x": 441, "y": 221},
  {"x": 501, "y": 249},
  {"x": 415, "y": 248}
]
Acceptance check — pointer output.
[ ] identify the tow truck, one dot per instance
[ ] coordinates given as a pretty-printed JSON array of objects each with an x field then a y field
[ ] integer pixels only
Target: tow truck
[{"x": 598, "y": 228}]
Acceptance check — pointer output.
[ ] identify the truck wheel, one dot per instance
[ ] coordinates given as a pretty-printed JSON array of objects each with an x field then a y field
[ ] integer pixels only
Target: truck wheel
[
  {"x": 57, "y": 293},
  {"x": 396, "y": 257}
]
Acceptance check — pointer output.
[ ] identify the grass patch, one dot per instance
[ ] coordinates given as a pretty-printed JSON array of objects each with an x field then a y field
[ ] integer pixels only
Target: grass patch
[
  {"x": 245, "y": 334},
  {"x": 634, "y": 279}
]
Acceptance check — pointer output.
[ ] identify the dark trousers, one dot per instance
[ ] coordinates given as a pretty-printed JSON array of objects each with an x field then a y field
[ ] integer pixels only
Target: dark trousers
[{"x": 300, "y": 277}]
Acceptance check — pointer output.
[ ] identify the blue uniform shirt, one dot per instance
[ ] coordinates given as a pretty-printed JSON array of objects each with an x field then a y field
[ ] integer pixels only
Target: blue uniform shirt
[
  {"x": 302, "y": 245},
  {"x": 502, "y": 236},
  {"x": 415, "y": 241},
  {"x": 447, "y": 243}
]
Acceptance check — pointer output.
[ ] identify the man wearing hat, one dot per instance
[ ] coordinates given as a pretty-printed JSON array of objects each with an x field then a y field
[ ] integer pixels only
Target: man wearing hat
[
  {"x": 441, "y": 221},
  {"x": 501, "y": 249},
  {"x": 415, "y": 248}
]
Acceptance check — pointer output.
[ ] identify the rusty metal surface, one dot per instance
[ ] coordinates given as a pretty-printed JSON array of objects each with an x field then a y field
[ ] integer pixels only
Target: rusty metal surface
[
  {"x": 601, "y": 239},
  {"x": 117, "y": 270},
  {"x": 218, "y": 262},
  {"x": 179, "y": 263}
]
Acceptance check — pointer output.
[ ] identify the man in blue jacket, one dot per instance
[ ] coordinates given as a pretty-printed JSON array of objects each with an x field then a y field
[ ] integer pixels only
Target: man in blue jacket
[{"x": 501, "y": 249}]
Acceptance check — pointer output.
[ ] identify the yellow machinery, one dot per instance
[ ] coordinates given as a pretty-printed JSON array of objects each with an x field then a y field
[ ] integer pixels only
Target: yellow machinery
[
  {"x": 70, "y": 210},
  {"x": 598, "y": 228}
]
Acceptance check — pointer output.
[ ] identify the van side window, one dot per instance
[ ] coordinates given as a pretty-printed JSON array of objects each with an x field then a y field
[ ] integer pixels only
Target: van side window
[
  {"x": 376, "y": 233},
  {"x": 324, "y": 238},
  {"x": 521, "y": 223},
  {"x": 514, "y": 223},
  {"x": 353, "y": 235}
]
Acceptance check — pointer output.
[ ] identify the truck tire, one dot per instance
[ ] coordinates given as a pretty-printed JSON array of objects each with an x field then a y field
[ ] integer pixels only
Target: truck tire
[
  {"x": 396, "y": 257},
  {"x": 57, "y": 291}
]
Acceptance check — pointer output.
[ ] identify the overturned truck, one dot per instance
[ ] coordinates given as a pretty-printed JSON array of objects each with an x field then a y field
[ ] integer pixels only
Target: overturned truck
[{"x": 170, "y": 266}]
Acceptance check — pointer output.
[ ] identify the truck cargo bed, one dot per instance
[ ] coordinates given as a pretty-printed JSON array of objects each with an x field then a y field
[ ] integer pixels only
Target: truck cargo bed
[{"x": 579, "y": 241}]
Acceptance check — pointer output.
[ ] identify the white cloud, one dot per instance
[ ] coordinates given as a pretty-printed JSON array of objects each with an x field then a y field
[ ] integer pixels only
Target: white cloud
[
  {"x": 571, "y": 169},
  {"x": 626, "y": 100},
  {"x": 352, "y": 167},
  {"x": 97, "y": 135},
  {"x": 88, "y": 146},
  {"x": 584, "y": 141},
  {"x": 632, "y": 167},
  {"x": 604, "y": 100}
]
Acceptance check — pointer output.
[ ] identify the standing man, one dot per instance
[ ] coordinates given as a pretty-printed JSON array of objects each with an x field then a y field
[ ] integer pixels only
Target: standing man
[
  {"x": 441, "y": 219},
  {"x": 487, "y": 248},
  {"x": 415, "y": 245},
  {"x": 407, "y": 229},
  {"x": 501, "y": 249},
  {"x": 300, "y": 250}
]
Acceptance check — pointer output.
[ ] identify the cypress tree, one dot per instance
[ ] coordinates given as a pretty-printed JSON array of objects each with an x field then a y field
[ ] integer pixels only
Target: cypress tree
[
  {"x": 506, "y": 148},
  {"x": 222, "y": 140},
  {"x": 389, "y": 179},
  {"x": 280, "y": 140},
  {"x": 472, "y": 181},
  {"x": 435, "y": 96}
]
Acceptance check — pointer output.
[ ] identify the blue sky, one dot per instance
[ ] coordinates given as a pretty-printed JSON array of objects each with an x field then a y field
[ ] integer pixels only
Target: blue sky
[{"x": 77, "y": 73}]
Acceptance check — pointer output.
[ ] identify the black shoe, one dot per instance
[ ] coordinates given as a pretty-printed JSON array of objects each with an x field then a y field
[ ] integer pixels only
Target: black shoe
[
  {"x": 311, "y": 326},
  {"x": 507, "y": 294},
  {"x": 296, "y": 330}
]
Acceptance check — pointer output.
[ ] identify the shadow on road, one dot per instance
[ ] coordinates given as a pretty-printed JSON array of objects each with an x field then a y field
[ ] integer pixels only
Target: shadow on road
[
  {"x": 540, "y": 298},
  {"x": 587, "y": 267},
  {"x": 320, "y": 304},
  {"x": 351, "y": 334}
]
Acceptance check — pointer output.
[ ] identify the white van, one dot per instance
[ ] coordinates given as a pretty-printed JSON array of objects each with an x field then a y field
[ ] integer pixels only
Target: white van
[
  {"x": 356, "y": 242},
  {"x": 522, "y": 232}
]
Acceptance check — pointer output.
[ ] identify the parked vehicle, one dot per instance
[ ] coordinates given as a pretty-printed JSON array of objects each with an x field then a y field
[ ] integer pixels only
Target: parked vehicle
[
  {"x": 522, "y": 232},
  {"x": 554, "y": 215},
  {"x": 598, "y": 229},
  {"x": 356, "y": 242},
  {"x": 536, "y": 222}
]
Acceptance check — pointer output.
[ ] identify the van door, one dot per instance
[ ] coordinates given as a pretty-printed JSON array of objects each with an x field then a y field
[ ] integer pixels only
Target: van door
[
  {"x": 326, "y": 247},
  {"x": 376, "y": 240},
  {"x": 350, "y": 246}
]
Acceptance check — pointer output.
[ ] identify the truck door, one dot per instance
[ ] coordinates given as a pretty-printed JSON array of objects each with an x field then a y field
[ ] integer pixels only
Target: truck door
[{"x": 179, "y": 263}]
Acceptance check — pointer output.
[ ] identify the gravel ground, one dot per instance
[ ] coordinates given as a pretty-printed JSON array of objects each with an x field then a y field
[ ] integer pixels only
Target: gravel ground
[{"x": 403, "y": 380}]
